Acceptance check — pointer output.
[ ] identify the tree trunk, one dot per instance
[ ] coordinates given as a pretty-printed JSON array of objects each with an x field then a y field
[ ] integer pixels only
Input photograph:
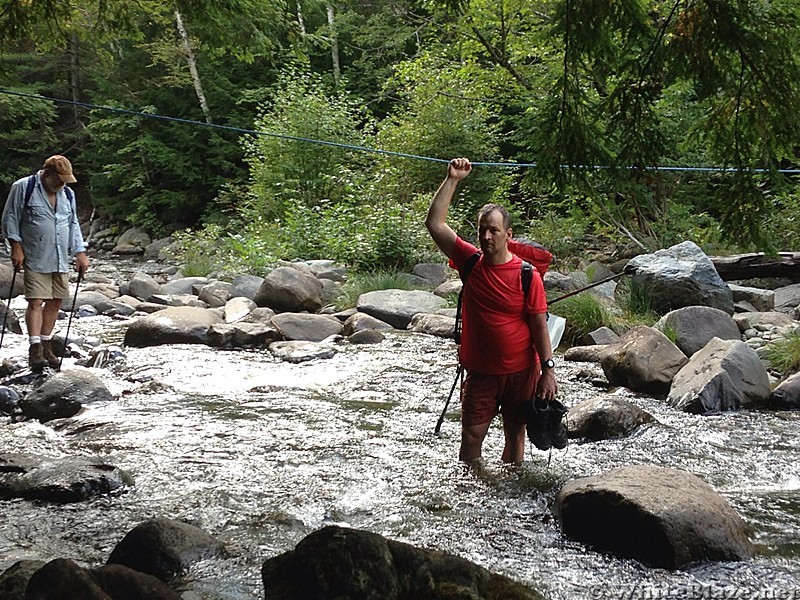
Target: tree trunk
[
  {"x": 337, "y": 73},
  {"x": 187, "y": 48},
  {"x": 300, "y": 19},
  {"x": 75, "y": 78},
  {"x": 749, "y": 266}
]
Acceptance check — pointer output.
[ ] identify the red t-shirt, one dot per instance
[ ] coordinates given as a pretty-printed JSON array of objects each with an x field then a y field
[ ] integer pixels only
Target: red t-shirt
[{"x": 496, "y": 338}]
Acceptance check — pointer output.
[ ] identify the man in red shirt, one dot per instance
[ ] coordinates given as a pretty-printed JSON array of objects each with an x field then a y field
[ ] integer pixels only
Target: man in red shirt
[{"x": 504, "y": 334}]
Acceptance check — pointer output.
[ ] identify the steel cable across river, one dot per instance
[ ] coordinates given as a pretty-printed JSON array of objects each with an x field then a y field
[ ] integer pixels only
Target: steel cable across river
[{"x": 260, "y": 453}]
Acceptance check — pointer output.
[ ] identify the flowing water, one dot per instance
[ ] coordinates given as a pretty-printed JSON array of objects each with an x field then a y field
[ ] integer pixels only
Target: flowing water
[{"x": 260, "y": 453}]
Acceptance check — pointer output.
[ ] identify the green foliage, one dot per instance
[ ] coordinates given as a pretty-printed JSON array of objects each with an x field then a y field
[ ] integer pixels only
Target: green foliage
[
  {"x": 584, "y": 313},
  {"x": 635, "y": 304},
  {"x": 285, "y": 168},
  {"x": 784, "y": 354}
]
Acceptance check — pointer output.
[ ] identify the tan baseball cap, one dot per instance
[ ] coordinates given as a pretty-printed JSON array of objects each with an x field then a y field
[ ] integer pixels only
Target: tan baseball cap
[{"x": 62, "y": 167}]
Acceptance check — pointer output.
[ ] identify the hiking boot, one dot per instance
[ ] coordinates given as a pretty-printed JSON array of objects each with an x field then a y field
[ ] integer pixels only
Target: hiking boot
[
  {"x": 537, "y": 413},
  {"x": 36, "y": 359},
  {"x": 49, "y": 355},
  {"x": 555, "y": 424}
]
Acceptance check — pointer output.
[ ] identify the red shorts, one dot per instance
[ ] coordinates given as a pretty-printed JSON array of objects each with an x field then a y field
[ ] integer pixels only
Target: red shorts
[{"x": 484, "y": 396}]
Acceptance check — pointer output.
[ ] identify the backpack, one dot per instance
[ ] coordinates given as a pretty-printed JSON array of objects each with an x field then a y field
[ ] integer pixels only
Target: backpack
[{"x": 526, "y": 272}]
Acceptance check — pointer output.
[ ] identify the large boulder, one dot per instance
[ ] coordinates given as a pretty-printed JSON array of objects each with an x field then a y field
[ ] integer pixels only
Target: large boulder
[
  {"x": 287, "y": 289},
  {"x": 63, "y": 395},
  {"x": 787, "y": 395},
  {"x": 335, "y": 562},
  {"x": 643, "y": 360},
  {"x": 143, "y": 286},
  {"x": 61, "y": 578},
  {"x": 305, "y": 327},
  {"x": 59, "y": 480},
  {"x": 725, "y": 375},
  {"x": 679, "y": 276},
  {"x": 604, "y": 418},
  {"x": 398, "y": 307},
  {"x": 174, "y": 325},
  {"x": 165, "y": 548},
  {"x": 663, "y": 517},
  {"x": 694, "y": 326}
]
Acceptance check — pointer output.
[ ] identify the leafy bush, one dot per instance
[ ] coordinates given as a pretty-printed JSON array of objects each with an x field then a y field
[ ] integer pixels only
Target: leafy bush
[
  {"x": 784, "y": 354},
  {"x": 584, "y": 313}
]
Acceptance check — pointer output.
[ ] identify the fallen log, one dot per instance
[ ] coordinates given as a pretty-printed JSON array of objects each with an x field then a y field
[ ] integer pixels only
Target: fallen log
[{"x": 757, "y": 264}]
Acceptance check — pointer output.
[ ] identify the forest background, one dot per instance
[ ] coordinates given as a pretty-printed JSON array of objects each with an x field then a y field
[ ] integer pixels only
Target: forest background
[{"x": 645, "y": 122}]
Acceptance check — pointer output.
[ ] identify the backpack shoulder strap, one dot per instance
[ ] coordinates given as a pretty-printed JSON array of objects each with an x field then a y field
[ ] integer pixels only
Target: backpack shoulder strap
[
  {"x": 468, "y": 266},
  {"x": 29, "y": 189},
  {"x": 527, "y": 277},
  {"x": 464, "y": 273}
]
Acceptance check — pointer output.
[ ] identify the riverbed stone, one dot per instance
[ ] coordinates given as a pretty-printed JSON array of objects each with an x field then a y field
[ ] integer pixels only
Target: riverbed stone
[
  {"x": 63, "y": 394},
  {"x": 681, "y": 275},
  {"x": 398, "y": 307},
  {"x": 724, "y": 375},
  {"x": 62, "y": 578},
  {"x": 242, "y": 335},
  {"x": 216, "y": 293},
  {"x": 306, "y": 327},
  {"x": 237, "y": 308},
  {"x": 165, "y": 548},
  {"x": 359, "y": 321},
  {"x": 694, "y": 326},
  {"x": 643, "y": 360},
  {"x": 246, "y": 285},
  {"x": 337, "y": 562},
  {"x": 14, "y": 580},
  {"x": 439, "y": 325},
  {"x": 11, "y": 320},
  {"x": 173, "y": 325},
  {"x": 6, "y": 277},
  {"x": 786, "y": 396},
  {"x": 288, "y": 289},
  {"x": 59, "y": 480},
  {"x": 143, "y": 286},
  {"x": 301, "y": 351},
  {"x": 604, "y": 418},
  {"x": 663, "y": 517},
  {"x": 184, "y": 285}
]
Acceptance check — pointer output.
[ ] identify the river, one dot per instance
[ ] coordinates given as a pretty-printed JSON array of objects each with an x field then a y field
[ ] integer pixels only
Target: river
[{"x": 260, "y": 453}]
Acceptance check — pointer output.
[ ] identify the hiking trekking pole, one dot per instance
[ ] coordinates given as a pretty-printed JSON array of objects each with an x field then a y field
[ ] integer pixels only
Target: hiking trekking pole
[
  {"x": 459, "y": 371},
  {"x": 69, "y": 322},
  {"x": 588, "y": 287},
  {"x": 8, "y": 306}
]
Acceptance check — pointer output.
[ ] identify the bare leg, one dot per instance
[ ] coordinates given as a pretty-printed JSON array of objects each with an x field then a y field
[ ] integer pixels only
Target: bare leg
[
  {"x": 472, "y": 437},
  {"x": 514, "y": 450},
  {"x": 33, "y": 316},
  {"x": 50, "y": 314}
]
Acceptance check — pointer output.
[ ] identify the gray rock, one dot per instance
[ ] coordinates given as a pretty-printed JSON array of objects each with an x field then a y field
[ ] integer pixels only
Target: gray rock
[
  {"x": 433, "y": 274},
  {"x": 242, "y": 335},
  {"x": 14, "y": 580},
  {"x": 644, "y": 360},
  {"x": 724, "y": 375},
  {"x": 143, "y": 286},
  {"x": 439, "y": 325},
  {"x": 287, "y": 289},
  {"x": 762, "y": 300},
  {"x": 238, "y": 308},
  {"x": 695, "y": 326},
  {"x": 246, "y": 286},
  {"x": 165, "y": 548},
  {"x": 605, "y": 418},
  {"x": 216, "y": 293},
  {"x": 679, "y": 276},
  {"x": 663, "y": 517},
  {"x": 184, "y": 285},
  {"x": 335, "y": 562},
  {"x": 397, "y": 307},
  {"x": 59, "y": 480},
  {"x": 361, "y": 321},
  {"x": 306, "y": 327},
  {"x": 786, "y": 396},
  {"x": 298, "y": 351},
  {"x": 173, "y": 325},
  {"x": 63, "y": 394}
]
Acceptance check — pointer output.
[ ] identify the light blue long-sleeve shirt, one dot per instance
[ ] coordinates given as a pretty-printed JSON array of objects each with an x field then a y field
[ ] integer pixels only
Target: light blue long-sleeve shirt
[{"x": 48, "y": 236}]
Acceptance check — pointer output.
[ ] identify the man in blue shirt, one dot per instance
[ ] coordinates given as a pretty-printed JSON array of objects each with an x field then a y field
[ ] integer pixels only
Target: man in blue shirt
[{"x": 41, "y": 223}]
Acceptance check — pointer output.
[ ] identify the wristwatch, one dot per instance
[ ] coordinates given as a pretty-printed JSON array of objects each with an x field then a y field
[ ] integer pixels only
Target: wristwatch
[{"x": 548, "y": 364}]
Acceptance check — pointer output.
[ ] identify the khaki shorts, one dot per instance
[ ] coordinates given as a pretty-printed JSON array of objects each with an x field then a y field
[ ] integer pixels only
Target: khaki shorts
[{"x": 46, "y": 286}]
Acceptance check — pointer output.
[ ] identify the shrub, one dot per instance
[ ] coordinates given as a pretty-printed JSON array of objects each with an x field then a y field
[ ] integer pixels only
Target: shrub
[{"x": 784, "y": 354}]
